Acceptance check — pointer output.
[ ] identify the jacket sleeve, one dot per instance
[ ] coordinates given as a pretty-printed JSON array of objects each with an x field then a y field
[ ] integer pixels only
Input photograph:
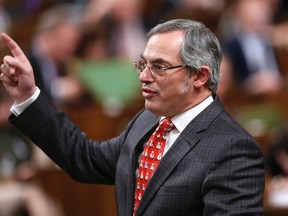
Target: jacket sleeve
[{"x": 83, "y": 159}]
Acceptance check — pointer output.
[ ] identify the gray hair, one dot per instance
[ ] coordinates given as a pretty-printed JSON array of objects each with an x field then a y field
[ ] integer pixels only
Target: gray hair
[
  {"x": 59, "y": 15},
  {"x": 200, "y": 47}
]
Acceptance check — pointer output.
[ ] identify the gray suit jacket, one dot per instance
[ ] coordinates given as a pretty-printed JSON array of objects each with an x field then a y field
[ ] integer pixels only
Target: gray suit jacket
[{"x": 214, "y": 167}]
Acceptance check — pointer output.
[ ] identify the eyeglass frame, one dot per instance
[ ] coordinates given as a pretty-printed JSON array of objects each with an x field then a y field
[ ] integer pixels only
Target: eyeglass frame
[{"x": 137, "y": 65}]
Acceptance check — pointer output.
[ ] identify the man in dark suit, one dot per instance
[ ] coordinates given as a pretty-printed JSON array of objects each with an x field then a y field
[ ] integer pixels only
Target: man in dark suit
[
  {"x": 248, "y": 47},
  {"x": 211, "y": 165},
  {"x": 53, "y": 46}
]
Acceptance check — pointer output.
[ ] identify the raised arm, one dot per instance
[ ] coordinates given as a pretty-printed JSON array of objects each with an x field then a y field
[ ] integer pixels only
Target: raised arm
[{"x": 16, "y": 72}]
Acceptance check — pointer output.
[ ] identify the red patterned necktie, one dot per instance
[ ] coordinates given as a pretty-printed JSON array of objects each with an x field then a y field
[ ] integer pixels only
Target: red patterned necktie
[{"x": 150, "y": 158}]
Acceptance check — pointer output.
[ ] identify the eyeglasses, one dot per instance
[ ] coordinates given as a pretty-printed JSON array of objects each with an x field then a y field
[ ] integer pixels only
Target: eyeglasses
[{"x": 156, "y": 70}]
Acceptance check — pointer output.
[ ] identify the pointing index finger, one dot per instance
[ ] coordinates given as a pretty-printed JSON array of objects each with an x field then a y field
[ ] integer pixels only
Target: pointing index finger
[{"x": 14, "y": 48}]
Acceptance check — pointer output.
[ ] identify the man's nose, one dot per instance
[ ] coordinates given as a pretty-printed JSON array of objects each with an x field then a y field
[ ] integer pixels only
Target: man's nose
[{"x": 146, "y": 76}]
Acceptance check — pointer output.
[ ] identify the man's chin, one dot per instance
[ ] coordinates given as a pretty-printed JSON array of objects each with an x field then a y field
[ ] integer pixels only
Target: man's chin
[{"x": 153, "y": 108}]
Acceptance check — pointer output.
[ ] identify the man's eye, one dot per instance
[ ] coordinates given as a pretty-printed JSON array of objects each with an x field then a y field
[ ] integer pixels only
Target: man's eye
[{"x": 158, "y": 67}]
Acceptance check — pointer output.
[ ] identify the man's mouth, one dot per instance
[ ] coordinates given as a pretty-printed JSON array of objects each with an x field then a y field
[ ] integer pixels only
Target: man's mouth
[{"x": 148, "y": 92}]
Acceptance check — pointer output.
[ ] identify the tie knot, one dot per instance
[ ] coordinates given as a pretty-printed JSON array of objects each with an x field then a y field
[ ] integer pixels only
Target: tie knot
[{"x": 166, "y": 125}]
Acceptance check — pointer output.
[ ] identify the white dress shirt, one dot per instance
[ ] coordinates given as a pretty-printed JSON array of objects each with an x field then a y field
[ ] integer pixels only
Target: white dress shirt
[
  {"x": 17, "y": 109},
  {"x": 182, "y": 120}
]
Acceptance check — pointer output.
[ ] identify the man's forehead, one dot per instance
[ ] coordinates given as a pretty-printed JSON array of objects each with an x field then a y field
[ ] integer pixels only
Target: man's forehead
[{"x": 163, "y": 46}]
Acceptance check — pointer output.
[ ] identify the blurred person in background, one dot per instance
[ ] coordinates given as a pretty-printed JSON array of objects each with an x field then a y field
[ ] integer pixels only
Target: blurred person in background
[
  {"x": 247, "y": 46},
  {"x": 276, "y": 162},
  {"x": 206, "y": 5},
  {"x": 128, "y": 37},
  {"x": 20, "y": 193},
  {"x": 127, "y": 31},
  {"x": 113, "y": 37},
  {"x": 94, "y": 44},
  {"x": 277, "y": 157},
  {"x": 52, "y": 48}
]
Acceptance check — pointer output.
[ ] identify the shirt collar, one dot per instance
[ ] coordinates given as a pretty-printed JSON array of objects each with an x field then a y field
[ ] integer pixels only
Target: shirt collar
[{"x": 182, "y": 120}]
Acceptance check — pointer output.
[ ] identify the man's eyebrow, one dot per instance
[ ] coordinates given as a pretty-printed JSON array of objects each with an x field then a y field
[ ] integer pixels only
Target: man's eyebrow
[
  {"x": 160, "y": 61},
  {"x": 156, "y": 61}
]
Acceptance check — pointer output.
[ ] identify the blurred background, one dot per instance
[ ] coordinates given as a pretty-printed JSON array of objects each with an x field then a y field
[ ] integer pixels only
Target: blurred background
[{"x": 82, "y": 52}]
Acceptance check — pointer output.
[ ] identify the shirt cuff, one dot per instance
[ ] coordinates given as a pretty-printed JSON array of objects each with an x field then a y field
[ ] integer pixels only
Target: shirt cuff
[{"x": 17, "y": 109}]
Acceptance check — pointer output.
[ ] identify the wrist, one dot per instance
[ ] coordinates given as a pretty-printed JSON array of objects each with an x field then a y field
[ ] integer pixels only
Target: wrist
[
  {"x": 26, "y": 97},
  {"x": 18, "y": 108}
]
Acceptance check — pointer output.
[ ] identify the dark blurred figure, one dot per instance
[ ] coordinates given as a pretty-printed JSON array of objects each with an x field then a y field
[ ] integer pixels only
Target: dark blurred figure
[
  {"x": 94, "y": 44},
  {"x": 277, "y": 170},
  {"x": 277, "y": 159},
  {"x": 53, "y": 47},
  {"x": 127, "y": 34},
  {"x": 155, "y": 12},
  {"x": 247, "y": 46}
]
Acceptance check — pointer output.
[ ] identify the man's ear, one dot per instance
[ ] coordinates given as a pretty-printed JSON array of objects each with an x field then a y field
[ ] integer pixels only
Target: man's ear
[{"x": 202, "y": 76}]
